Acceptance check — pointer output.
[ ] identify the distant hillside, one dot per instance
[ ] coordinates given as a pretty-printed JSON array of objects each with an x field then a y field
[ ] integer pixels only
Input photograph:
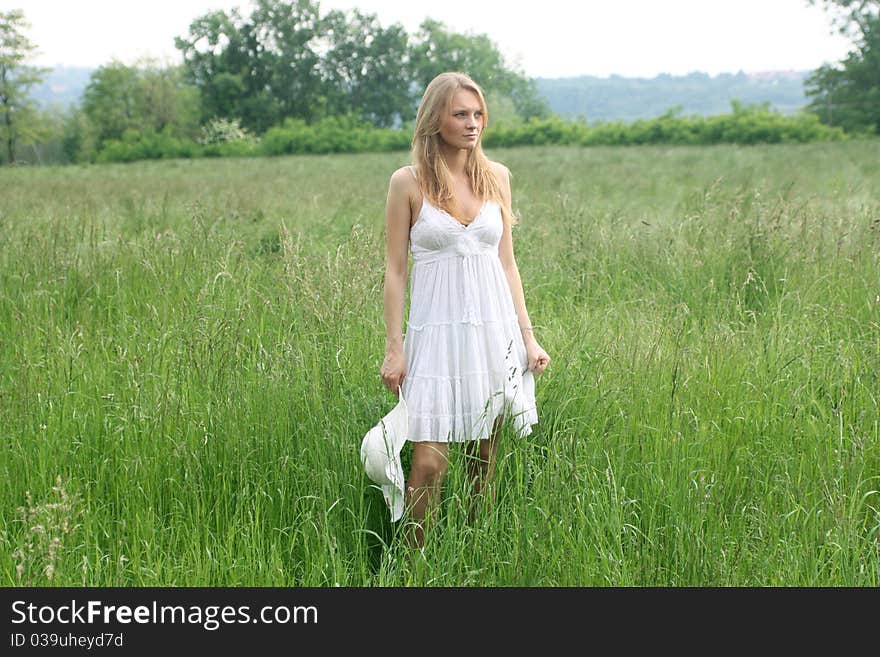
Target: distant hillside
[
  {"x": 595, "y": 98},
  {"x": 64, "y": 85},
  {"x": 628, "y": 99}
]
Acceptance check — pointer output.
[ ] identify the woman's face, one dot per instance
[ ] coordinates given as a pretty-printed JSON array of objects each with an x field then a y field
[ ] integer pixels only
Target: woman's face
[{"x": 462, "y": 124}]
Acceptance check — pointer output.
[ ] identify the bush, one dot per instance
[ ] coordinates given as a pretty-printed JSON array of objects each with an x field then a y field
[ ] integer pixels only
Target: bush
[
  {"x": 751, "y": 124},
  {"x": 148, "y": 145},
  {"x": 334, "y": 134},
  {"x": 745, "y": 125},
  {"x": 224, "y": 131}
]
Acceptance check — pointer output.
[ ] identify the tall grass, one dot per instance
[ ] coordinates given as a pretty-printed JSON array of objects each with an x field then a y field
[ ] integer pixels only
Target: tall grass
[{"x": 190, "y": 352}]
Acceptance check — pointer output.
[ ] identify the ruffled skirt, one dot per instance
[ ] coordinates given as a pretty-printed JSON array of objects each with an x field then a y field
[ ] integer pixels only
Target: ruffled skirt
[{"x": 466, "y": 359}]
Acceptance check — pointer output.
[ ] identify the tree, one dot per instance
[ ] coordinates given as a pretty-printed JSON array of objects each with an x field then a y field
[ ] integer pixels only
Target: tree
[
  {"x": 79, "y": 140},
  {"x": 286, "y": 60},
  {"x": 436, "y": 50},
  {"x": 365, "y": 69},
  {"x": 261, "y": 69},
  {"x": 109, "y": 100},
  {"x": 165, "y": 101},
  {"x": 17, "y": 110},
  {"x": 142, "y": 97},
  {"x": 850, "y": 17},
  {"x": 528, "y": 102},
  {"x": 848, "y": 94}
]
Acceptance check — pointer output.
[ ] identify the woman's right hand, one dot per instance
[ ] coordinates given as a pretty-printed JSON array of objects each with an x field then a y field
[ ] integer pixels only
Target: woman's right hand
[{"x": 393, "y": 370}]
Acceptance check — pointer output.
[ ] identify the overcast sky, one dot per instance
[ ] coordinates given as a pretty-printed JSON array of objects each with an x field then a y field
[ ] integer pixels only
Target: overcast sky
[{"x": 550, "y": 38}]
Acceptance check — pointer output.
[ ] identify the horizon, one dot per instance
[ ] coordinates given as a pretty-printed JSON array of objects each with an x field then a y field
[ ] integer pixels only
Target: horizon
[
  {"x": 776, "y": 72},
  {"x": 707, "y": 94},
  {"x": 639, "y": 40}
]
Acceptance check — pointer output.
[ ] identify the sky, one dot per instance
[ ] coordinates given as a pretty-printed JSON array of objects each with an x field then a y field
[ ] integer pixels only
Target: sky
[{"x": 550, "y": 38}]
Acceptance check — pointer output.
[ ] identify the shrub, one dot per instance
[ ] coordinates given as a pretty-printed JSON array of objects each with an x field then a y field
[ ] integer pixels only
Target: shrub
[
  {"x": 346, "y": 134},
  {"x": 224, "y": 131}
]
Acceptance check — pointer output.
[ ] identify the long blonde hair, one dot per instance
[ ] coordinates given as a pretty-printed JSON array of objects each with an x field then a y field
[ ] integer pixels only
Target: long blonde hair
[{"x": 435, "y": 179}]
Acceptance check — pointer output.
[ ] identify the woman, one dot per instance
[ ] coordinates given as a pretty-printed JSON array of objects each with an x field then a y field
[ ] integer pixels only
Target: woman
[{"x": 470, "y": 351}]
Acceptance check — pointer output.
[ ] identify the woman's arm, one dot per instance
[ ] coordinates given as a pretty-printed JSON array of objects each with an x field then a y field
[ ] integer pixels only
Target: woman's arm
[
  {"x": 397, "y": 222},
  {"x": 538, "y": 358}
]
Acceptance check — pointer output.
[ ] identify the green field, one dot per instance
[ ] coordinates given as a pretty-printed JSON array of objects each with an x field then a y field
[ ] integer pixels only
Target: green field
[{"x": 190, "y": 353}]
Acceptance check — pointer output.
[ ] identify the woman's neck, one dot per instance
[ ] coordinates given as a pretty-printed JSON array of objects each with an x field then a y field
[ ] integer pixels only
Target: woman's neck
[{"x": 456, "y": 159}]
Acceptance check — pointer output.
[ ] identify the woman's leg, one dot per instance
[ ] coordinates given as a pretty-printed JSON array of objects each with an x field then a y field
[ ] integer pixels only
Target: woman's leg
[
  {"x": 481, "y": 462},
  {"x": 429, "y": 461}
]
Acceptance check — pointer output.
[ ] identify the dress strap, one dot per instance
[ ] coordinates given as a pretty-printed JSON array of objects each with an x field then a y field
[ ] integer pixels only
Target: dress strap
[{"x": 412, "y": 171}]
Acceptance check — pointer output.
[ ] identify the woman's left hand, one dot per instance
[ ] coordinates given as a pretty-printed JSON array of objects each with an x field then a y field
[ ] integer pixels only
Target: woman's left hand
[{"x": 538, "y": 358}]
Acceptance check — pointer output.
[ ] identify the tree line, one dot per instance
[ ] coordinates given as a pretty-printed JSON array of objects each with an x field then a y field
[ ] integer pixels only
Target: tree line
[
  {"x": 282, "y": 72},
  {"x": 285, "y": 60},
  {"x": 754, "y": 124},
  {"x": 847, "y": 93}
]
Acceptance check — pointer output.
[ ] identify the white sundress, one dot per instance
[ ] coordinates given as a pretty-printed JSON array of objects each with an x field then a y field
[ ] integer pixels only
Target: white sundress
[{"x": 465, "y": 356}]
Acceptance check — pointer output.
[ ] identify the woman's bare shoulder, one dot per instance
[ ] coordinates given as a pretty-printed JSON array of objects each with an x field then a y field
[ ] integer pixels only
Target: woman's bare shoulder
[
  {"x": 502, "y": 173},
  {"x": 404, "y": 189},
  {"x": 500, "y": 170},
  {"x": 403, "y": 177},
  {"x": 403, "y": 184}
]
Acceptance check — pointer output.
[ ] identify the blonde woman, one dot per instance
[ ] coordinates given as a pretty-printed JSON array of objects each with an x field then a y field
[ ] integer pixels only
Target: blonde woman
[{"x": 469, "y": 355}]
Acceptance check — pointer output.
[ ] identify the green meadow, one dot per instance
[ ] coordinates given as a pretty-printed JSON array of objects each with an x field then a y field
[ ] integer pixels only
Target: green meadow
[{"x": 190, "y": 353}]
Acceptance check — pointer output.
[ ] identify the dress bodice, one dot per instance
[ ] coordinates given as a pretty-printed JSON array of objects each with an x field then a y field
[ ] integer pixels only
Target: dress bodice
[{"x": 437, "y": 234}]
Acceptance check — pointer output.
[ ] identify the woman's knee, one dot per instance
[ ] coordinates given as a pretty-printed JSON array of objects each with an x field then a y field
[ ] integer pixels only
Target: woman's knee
[{"x": 428, "y": 465}]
